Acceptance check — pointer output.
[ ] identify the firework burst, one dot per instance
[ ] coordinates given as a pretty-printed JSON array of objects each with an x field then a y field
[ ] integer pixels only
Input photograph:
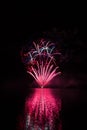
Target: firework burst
[{"x": 40, "y": 62}]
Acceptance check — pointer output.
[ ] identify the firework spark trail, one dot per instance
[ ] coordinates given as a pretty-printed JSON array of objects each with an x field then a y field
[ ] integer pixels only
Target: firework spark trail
[
  {"x": 44, "y": 73},
  {"x": 40, "y": 62},
  {"x": 42, "y": 109}
]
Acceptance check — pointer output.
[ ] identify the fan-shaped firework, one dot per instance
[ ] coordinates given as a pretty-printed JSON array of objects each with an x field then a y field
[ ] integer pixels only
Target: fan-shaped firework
[
  {"x": 40, "y": 62},
  {"x": 44, "y": 73}
]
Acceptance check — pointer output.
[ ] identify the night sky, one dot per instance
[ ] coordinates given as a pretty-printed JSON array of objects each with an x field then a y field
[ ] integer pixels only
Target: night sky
[{"x": 17, "y": 28}]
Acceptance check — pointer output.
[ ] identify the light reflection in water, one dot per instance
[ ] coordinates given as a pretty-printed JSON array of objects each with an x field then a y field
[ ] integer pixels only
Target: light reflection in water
[{"x": 42, "y": 111}]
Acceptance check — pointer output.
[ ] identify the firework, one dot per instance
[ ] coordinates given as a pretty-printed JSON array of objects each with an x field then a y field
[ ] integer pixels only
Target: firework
[
  {"x": 40, "y": 62},
  {"x": 44, "y": 73}
]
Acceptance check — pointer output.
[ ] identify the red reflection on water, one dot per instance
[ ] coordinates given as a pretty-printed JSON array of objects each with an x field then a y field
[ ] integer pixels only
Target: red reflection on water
[{"x": 42, "y": 111}]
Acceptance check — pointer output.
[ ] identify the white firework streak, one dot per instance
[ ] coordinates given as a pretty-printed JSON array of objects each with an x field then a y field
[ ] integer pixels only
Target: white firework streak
[{"x": 44, "y": 73}]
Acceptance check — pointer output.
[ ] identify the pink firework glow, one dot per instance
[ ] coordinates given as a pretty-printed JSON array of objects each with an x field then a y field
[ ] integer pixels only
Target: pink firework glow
[
  {"x": 40, "y": 62},
  {"x": 44, "y": 73},
  {"x": 42, "y": 110}
]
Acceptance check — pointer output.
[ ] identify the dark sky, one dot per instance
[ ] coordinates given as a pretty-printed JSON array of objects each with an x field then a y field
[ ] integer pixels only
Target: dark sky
[{"x": 19, "y": 25}]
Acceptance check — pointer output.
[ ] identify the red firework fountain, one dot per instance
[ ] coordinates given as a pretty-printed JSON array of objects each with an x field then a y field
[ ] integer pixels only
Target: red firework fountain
[
  {"x": 40, "y": 62},
  {"x": 44, "y": 73}
]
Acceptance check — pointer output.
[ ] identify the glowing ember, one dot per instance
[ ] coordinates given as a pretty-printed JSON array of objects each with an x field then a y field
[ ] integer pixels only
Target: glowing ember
[{"x": 42, "y": 110}]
